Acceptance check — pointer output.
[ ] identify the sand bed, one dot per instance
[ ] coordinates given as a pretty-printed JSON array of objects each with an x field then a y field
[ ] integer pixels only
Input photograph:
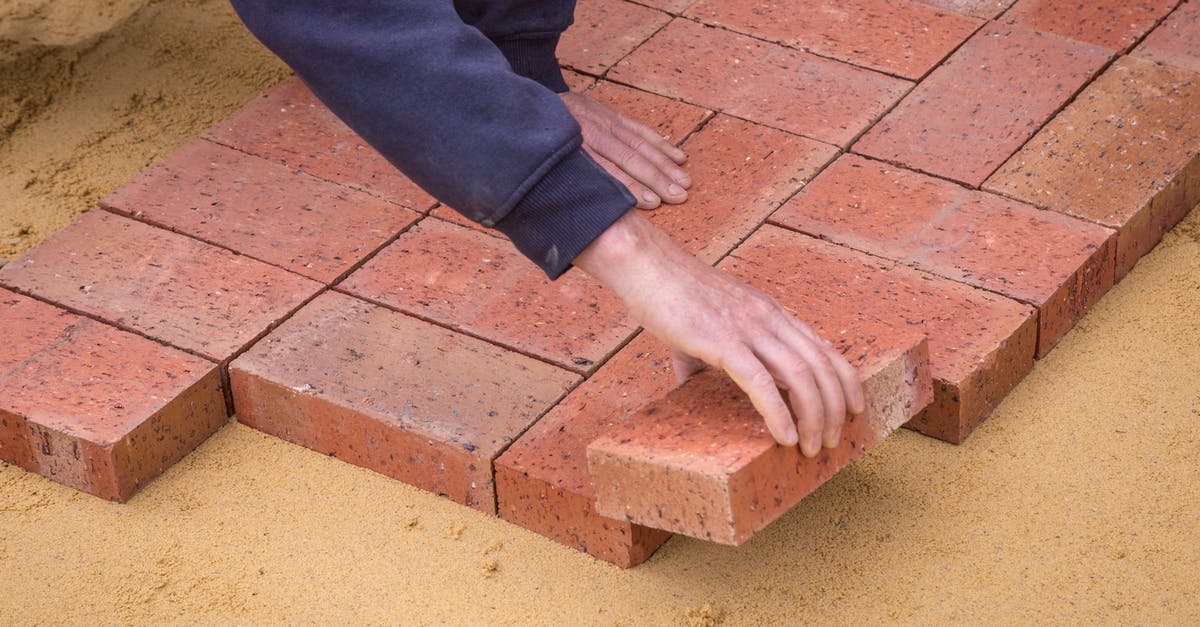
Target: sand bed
[{"x": 1078, "y": 500}]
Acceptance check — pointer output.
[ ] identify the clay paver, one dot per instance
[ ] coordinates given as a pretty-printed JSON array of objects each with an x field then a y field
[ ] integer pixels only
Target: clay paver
[
  {"x": 605, "y": 31},
  {"x": 1124, "y": 154},
  {"x": 1057, "y": 263},
  {"x": 262, "y": 209},
  {"x": 700, "y": 461},
  {"x": 762, "y": 82},
  {"x": 978, "y": 107},
  {"x": 388, "y": 392},
  {"x": 980, "y": 344},
  {"x": 1175, "y": 41},
  {"x": 289, "y": 125},
  {"x": 902, "y": 38},
  {"x": 96, "y": 408},
  {"x": 542, "y": 481},
  {"x": 476, "y": 283},
  {"x": 675, "y": 7},
  {"x": 986, "y": 9},
  {"x": 164, "y": 285},
  {"x": 1114, "y": 24}
]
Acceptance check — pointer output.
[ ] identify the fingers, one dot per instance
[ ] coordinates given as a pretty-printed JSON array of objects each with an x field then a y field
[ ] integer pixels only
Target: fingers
[
  {"x": 646, "y": 198},
  {"x": 749, "y": 374},
  {"x": 639, "y": 166},
  {"x": 817, "y": 402},
  {"x": 851, "y": 384},
  {"x": 659, "y": 142}
]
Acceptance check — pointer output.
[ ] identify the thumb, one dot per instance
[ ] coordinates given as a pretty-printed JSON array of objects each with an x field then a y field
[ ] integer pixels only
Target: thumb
[{"x": 685, "y": 365}]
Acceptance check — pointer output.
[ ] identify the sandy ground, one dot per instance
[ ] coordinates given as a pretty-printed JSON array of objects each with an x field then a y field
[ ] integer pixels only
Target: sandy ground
[{"x": 1078, "y": 500}]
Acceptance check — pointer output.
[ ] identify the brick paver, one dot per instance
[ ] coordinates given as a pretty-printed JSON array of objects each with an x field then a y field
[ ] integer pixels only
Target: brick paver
[
  {"x": 605, "y": 31},
  {"x": 1124, "y": 154},
  {"x": 1057, "y": 263},
  {"x": 986, "y": 9},
  {"x": 96, "y": 408},
  {"x": 1174, "y": 42},
  {"x": 388, "y": 392},
  {"x": 979, "y": 106},
  {"x": 1114, "y": 24}
]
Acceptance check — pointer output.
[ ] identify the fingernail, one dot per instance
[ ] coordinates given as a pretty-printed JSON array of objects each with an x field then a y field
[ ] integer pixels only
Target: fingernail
[
  {"x": 793, "y": 438},
  {"x": 674, "y": 190},
  {"x": 814, "y": 445},
  {"x": 685, "y": 181},
  {"x": 650, "y": 197}
]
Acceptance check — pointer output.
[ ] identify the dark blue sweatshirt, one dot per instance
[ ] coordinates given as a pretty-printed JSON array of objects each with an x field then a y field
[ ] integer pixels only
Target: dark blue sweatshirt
[{"x": 460, "y": 96}]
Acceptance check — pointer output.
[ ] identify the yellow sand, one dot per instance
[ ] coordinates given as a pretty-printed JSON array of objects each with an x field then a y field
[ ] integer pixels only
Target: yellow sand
[{"x": 1078, "y": 500}]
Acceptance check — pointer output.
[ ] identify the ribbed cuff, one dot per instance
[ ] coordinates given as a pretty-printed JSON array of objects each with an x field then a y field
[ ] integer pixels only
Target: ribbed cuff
[
  {"x": 560, "y": 216},
  {"x": 534, "y": 58}
]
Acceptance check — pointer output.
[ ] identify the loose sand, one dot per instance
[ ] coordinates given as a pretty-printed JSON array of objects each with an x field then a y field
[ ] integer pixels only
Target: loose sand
[{"x": 1078, "y": 500}]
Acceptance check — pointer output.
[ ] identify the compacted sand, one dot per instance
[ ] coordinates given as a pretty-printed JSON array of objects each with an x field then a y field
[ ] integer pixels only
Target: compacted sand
[{"x": 1078, "y": 500}]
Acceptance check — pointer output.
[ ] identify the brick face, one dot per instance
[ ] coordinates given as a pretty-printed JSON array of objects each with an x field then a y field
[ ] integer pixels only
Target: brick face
[
  {"x": 605, "y": 31},
  {"x": 1114, "y": 24},
  {"x": 1174, "y": 41},
  {"x": 986, "y": 9},
  {"x": 976, "y": 109}
]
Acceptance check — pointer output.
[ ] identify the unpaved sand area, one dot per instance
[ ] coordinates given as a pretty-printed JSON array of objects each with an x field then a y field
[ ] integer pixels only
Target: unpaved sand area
[{"x": 1077, "y": 501}]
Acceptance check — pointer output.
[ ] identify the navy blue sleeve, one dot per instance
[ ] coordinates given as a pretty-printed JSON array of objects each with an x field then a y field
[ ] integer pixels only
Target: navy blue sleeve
[{"x": 440, "y": 100}]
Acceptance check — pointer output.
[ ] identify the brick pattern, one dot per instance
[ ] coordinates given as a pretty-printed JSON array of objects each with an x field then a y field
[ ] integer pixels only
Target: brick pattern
[
  {"x": 1174, "y": 41},
  {"x": 1124, "y": 154},
  {"x": 979, "y": 106},
  {"x": 604, "y": 32},
  {"x": 1058, "y": 264},
  {"x": 986, "y": 9},
  {"x": 1114, "y": 24},
  {"x": 902, "y": 38},
  {"x": 93, "y": 407},
  {"x": 394, "y": 394}
]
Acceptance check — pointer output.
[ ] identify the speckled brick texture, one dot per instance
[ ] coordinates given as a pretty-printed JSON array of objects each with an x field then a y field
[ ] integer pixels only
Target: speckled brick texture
[
  {"x": 542, "y": 481},
  {"x": 164, "y": 285},
  {"x": 905, "y": 39},
  {"x": 986, "y": 9},
  {"x": 762, "y": 82},
  {"x": 980, "y": 344},
  {"x": 700, "y": 462},
  {"x": 1124, "y": 154},
  {"x": 978, "y": 107},
  {"x": 95, "y": 408},
  {"x": 388, "y": 392},
  {"x": 262, "y": 209},
  {"x": 1177, "y": 40},
  {"x": 289, "y": 125},
  {"x": 1114, "y": 24},
  {"x": 1057, "y": 263},
  {"x": 605, "y": 31}
]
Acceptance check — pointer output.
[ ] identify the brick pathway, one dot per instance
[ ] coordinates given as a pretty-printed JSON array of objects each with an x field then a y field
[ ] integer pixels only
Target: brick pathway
[{"x": 943, "y": 188}]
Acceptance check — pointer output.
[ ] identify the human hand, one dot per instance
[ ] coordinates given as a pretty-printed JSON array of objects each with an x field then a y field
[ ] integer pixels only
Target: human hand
[
  {"x": 632, "y": 152},
  {"x": 707, "y": 316}
]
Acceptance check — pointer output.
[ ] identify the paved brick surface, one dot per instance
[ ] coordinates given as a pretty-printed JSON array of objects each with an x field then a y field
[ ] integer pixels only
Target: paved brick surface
[
  {"x": 759, "y": 81},
  {"x": 1059, "y": 264},
  {"x": 980, "y": 344},
  {"x": 674, "y": 7},
  {"x": 977, "y": 108},
  {"x": 388, "y": 392},
  {"x": 479, "y": 284},
  {"x": 1174, "y": 42},
  {"x": 1123, "y": 154},
  {"x": 986, "y": 9},
  {"x": 902, "y": 38},
  {"x": 96, "y": 408},
  {"x": 165, "y": 285},
  {"x": 262, "y": 209},
  {"x": 289, "y": 125},
  {"x": 542, "y": 481},
  {"x": 1114, "y": 24},
  {"x": 700, "y": 462},
  {"x": 605, "y": 31}
]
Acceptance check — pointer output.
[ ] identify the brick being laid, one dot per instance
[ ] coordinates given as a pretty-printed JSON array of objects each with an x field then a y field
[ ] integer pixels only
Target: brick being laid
[
  {"x": 981, "y": 344},
  {"x": 262, "y": 209},
  {"x": 1124, "y": 154},
  {"x": 979, "y": 106},
  {"x": 93, "y": 407},
  {"x": 1059, "y": 264},
  {"x": 699, "y": 461},
  {"x": 388, "y": 392}
]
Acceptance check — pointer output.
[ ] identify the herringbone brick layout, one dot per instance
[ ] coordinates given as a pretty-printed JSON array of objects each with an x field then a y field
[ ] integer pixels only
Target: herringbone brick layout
[{"x": 942, "y": 188}]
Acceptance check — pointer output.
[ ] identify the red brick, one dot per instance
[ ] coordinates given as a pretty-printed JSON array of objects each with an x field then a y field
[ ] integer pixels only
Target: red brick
[
  {"x": 899, "y": 37},
  {"x": 761, "y": 82},
  {"x": 388, "y": 392},
  {"x": 674, "y": 7},
  {"x": 578, "y": 82},
  {"x": 479, "y": 284},
  {"x": 1174, "y": 42},
  {"x": 701, "y": 462},
  {"x": 1057, "y": 263},
  {"x": 262, "y": 209},
  {"x": 977, "y": 108},
  {"x": 172, "y": 288},
  {"x": 289, "y": 125},
  {"x": 980, "y": 344},
  {"x": 1124, "y": 154},
  {"x": 986, "y": 9},
  {"x": 1114, "y": 24},
  {"x": 95, "y": 408},
  {"x": 741, "y": 172},
  {"x": 604, "y": 32},
  {"x": 542, "y": 482}
]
